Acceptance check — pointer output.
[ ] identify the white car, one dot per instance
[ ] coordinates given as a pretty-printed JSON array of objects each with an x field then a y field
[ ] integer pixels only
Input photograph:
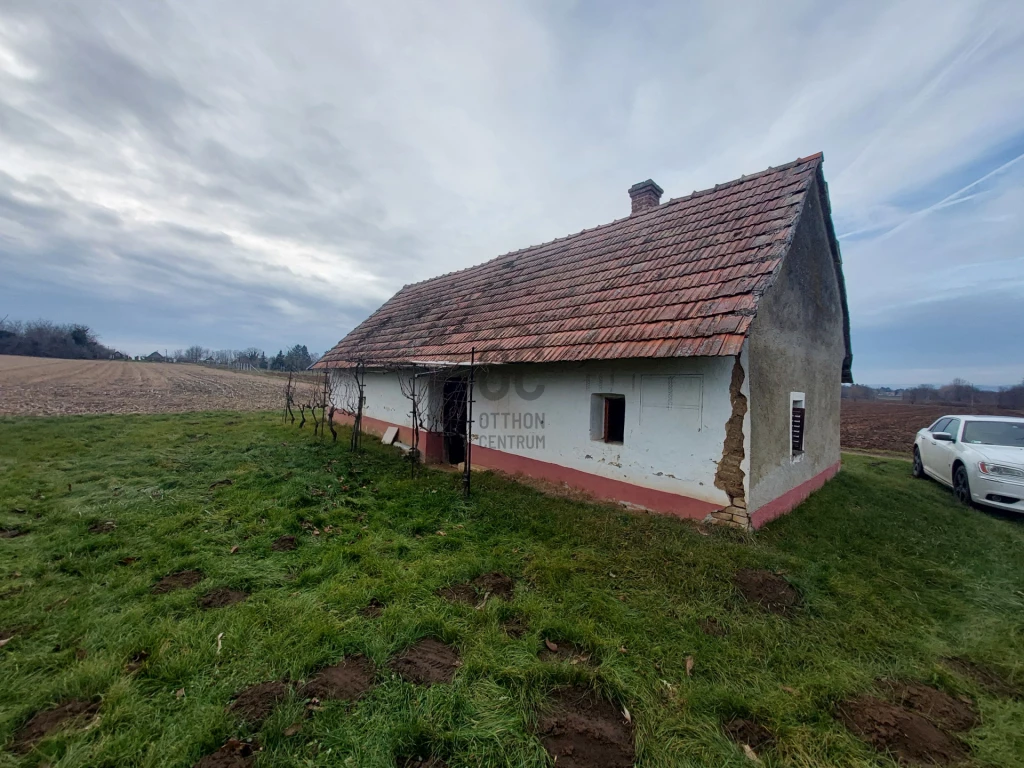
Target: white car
[{"x": 980, "y": 457}]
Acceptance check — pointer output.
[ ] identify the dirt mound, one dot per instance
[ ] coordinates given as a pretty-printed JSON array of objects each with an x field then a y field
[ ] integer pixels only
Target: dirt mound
[
  {"x": 495, "y": 584},
  {"x": 985, "y": 677},
  {"x": 373, "y": 609},
  {"x": 890, "y": 728},
  {"x": 108, "y": 527},
  {"x": 586, "y": 731},
  {"x": 348, "y": 680},
  {"x": 234, "y": 754},
  {"x": 221, "y": 597},
  {"x": 711, "y": 627},
  {"x": 284, "y": 544},
  {"x": 255, "y": 703},
  {"x": 749, "y": 732},
  {"x": 939, "y": 707},
  {"x": 427, "y": 662},
  {"x": 563, "y": 650},
  {"x": 179, "y": 580},
  {"x": 459, "y": 593},
  {"x": 42, "y": 724},
  {"x": 766, "y": 589},
  {"x": 481, "y": 588},
  {"x": 137, "y": 661},
  {"x": 514, "y": 627},
  {"x": 11, "y": 533}
]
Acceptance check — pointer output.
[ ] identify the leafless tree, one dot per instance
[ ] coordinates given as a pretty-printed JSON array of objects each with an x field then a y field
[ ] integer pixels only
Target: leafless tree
[{"x": 196, "y": 353}]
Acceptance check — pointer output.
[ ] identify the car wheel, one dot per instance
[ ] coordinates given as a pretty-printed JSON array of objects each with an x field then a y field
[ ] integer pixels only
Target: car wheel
[
  {"x": 918, "y": 469},
  {"x": 961, "y": 485}
]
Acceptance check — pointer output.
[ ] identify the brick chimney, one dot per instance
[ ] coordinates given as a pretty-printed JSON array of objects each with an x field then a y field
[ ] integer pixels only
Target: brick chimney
[{"x": 645, "y": 195}]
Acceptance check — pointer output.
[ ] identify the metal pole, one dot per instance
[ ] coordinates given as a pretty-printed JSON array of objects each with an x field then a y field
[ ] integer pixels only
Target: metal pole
[{"x": 469, "y": 424}]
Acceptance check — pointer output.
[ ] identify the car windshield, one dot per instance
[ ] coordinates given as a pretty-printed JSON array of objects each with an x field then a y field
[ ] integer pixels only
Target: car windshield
[{"x": 994, "y": 433}]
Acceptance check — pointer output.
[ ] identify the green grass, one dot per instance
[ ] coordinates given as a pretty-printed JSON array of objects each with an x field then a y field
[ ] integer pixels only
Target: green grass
[{"x": 894, "y": 576}]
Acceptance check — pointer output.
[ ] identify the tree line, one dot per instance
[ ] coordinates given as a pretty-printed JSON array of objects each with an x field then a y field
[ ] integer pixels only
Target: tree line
[
  {"x": 296, "y": 358},
  {"x": 957, "y": 392},
  {"x": 41, "y": 338}
]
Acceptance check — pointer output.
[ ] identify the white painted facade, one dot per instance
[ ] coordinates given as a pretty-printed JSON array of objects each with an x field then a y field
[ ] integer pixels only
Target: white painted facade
[
  {"x": 676, "y": 410},
  {"x": 382, "y": 396},
  {"x": 674, "y": 425}
]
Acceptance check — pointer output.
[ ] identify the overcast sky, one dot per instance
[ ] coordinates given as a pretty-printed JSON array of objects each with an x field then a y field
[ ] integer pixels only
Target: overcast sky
[{"x": 257, "y": 173}]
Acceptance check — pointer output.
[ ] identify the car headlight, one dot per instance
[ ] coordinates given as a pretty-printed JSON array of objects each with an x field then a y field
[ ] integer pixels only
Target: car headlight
[{"x": 999, "y": 470}]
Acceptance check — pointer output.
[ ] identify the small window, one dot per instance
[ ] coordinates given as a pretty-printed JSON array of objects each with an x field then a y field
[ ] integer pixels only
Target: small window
[
  {"x": 940, "y": 425},
  {"x": 608, "y": 418},
  {"x": 798, "y": 418}
]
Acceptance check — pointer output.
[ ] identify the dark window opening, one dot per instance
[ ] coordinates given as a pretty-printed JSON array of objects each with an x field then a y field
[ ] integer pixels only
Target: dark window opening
[
  {"x": 799, "y": 415},
  {"x": 614, "y": 419}
]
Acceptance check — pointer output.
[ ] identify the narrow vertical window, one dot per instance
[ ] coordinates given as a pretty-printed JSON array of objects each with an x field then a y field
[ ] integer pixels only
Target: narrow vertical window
[{"x": 797, "y": 421}]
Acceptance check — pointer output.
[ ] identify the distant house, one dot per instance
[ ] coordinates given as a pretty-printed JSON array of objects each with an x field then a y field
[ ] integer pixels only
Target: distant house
[
  {"x": 687, "y": 359},
  {"x": 155, "y": 357}
]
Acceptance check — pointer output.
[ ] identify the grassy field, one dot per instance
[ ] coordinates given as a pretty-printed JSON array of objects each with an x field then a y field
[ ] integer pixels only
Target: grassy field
[{"x": 893, "y": 577}]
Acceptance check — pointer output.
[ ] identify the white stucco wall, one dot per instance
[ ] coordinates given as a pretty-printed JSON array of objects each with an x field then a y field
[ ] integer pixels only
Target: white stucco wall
[
  {"x": 675, "y": 419},
  {"x": 383, "y": 398}
]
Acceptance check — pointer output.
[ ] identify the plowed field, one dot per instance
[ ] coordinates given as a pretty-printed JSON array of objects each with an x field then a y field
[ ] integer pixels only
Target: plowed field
[
  {"x": 879, "y": 426},
  {"x": 49, "y": 387}
]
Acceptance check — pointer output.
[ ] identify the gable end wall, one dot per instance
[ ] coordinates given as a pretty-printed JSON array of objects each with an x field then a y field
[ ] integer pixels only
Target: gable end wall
[{"x": 796, "y": 344}]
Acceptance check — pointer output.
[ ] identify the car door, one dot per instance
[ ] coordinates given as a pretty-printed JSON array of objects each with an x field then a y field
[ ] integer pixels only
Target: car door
[
  {"x": 945, "y": 453},
  {"x": 930, "y": 456}
]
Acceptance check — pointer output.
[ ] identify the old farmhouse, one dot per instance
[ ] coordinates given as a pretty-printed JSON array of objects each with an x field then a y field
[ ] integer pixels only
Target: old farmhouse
[{"x": 687, "y": 358}]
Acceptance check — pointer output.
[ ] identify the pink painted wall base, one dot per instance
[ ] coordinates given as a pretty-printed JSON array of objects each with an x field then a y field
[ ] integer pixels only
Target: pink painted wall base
[
  {"x": 791, "y": 498},
  {"x": 432, "y": 445}
]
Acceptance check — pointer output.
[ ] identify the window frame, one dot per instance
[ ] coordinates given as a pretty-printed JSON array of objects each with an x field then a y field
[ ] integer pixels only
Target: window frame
[
  {"x": 599, "y": 413},
  {"x": 797, "y": 400}
]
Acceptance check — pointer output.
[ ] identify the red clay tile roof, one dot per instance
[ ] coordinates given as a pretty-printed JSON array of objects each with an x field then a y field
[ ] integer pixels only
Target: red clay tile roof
[{"x": 682, "y": 279}]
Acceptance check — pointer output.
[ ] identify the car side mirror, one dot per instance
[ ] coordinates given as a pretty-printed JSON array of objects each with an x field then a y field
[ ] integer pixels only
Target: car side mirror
[{"x": 943, "y": 436}]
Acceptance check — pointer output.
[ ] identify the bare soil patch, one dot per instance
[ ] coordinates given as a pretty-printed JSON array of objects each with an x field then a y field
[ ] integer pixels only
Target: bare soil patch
[
  {"x": 586, "y": 731},
  {"x": 495, "y": 584},
  {"x": 750, "y": 732},
  {"x": 459, "y": 593},
  {"x": 42, "y": 724},
  {"x": 766, "y": 589},
  {"x": 514, "y": 627},
  {"x": 179, "y": 580},
  {"x": 985, "y": 677},
  {"x": 255, "y": 703},
  {"x": 483, "y": 587},
  {"x": 349, "y": 680},
  {"x": 953, "y": 714},
  {"x": 234, "y": 754},
  {"x": 50, "y": 387},
  {"x": 137, "y": 661},
  {"x": 909, "y": 736},
  {"x": 712, "y": 627},
  {"x": 105, "y": 527},
  {"x": 11, "y": 533},
  {"x": 373, "y": 609},
  {"x": 284, "y": 544},
  {"x": 427, "y": 662},
  {"x": 221, "y": 597},
  {"x": 563, "y": 650}
]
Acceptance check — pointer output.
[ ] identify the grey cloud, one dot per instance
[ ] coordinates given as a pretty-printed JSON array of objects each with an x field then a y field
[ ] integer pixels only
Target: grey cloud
[{"x": 265, "y": 166}]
